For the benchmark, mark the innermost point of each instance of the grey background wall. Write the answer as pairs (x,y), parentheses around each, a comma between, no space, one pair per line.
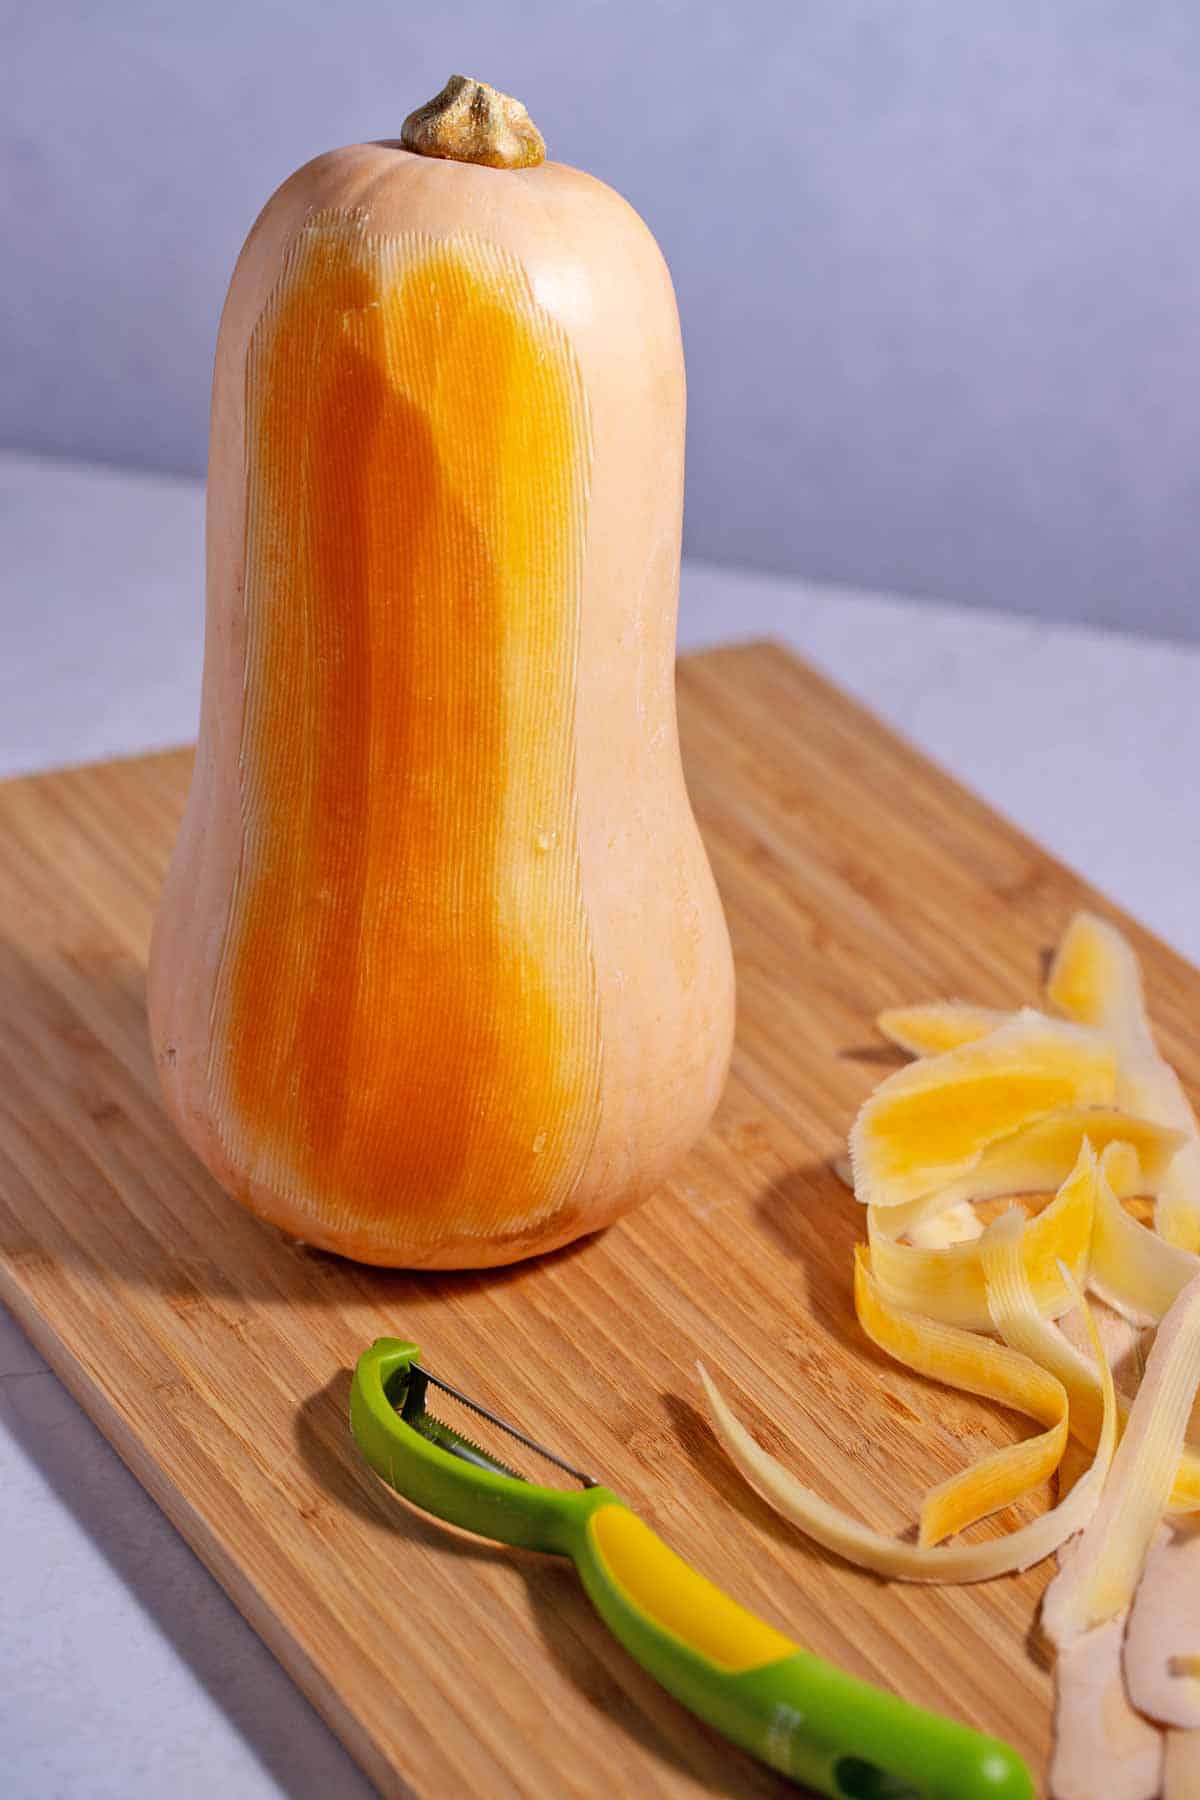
(938,264)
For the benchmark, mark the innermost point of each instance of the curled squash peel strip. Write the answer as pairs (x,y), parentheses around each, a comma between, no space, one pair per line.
(1103,1748)
(1095,980)
(1018,1320)
(1161,1634)
(1133,1269)
(1008,1105)
(949,1284)
(1102,1744)
(859,1544)
(940,1025)
(1038,1158)
(929,1124)
(977,1366)
(956,1224)
(1099,1578)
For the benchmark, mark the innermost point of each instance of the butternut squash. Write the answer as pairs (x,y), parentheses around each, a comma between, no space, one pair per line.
(440,976)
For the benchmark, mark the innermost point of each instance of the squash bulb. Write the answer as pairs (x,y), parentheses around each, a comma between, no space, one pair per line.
(440,976)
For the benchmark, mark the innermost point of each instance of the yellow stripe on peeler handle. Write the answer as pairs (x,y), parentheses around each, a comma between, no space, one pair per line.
(674,1597)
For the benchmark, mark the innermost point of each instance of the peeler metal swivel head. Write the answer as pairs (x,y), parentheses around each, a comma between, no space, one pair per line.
(805,1718)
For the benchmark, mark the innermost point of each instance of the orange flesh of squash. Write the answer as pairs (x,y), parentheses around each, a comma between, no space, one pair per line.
(407,1021)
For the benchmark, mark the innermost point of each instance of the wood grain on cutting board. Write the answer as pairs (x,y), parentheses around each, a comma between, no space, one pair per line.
(216,1355)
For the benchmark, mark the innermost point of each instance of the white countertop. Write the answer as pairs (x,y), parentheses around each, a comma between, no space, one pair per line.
(125,1673)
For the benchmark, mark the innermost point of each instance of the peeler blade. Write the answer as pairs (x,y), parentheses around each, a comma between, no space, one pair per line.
(437,1431)
(414,1412)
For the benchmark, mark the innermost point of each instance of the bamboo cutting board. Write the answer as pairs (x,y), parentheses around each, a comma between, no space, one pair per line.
(216,1355)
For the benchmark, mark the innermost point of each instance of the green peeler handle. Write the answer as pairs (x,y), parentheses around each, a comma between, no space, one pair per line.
(751,1683)
(839,1735)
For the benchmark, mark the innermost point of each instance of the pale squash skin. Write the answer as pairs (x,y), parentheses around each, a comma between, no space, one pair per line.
(647,1010)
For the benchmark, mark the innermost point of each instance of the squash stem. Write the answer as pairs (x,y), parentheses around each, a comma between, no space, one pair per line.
(472,122)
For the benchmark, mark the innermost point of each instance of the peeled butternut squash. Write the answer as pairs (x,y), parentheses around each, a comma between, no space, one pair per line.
(440,976)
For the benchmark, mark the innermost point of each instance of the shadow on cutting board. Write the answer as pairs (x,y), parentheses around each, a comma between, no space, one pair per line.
(125,1192)
(102,1186)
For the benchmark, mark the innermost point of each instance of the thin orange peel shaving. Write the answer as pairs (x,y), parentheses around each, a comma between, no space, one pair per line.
(1103,1748)
(929,1029)
(1162,1668)
(958,1562)
(1017,1320)
(975,1365)
(1087,1111)
(1095,980)
(1037,1160)
(1133,1269)
(930,1123)
(1098,1579)
(956,1224)
(949,1284)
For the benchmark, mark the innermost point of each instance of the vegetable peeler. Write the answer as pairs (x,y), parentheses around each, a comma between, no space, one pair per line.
(805,1718)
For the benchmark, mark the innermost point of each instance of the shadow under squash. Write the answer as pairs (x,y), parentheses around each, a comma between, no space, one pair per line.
(106,1187)
(106,1181)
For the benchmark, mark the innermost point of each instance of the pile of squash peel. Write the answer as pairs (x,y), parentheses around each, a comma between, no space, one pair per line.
(1078,1306)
